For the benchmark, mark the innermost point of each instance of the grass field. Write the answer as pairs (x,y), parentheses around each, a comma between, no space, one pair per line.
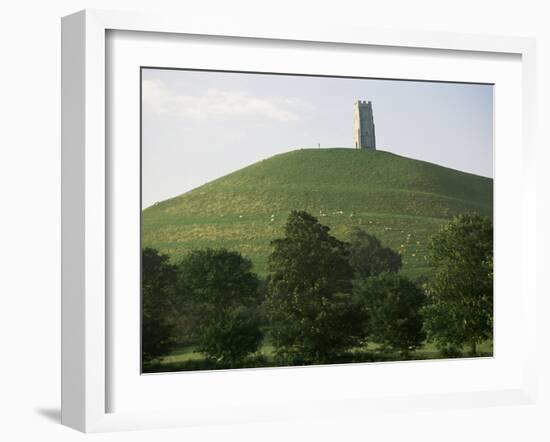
(400,200)
(185,357)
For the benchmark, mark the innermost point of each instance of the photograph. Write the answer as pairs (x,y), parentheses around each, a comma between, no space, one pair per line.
(298,220)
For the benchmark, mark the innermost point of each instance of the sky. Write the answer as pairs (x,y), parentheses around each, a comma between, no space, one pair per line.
(198,126)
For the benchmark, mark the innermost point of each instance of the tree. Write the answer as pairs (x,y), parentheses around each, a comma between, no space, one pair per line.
(368,257)
(460,293)
(393,303)
(158,279)
(314,314)
(224,294)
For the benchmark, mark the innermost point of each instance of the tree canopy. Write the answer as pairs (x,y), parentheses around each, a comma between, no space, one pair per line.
(393,303)
(313,312)
(158,281)
(224,294)
(368,257)
(323,298)
(460,292)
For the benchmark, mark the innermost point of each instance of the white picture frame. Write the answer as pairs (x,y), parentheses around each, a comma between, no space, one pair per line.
(86,206)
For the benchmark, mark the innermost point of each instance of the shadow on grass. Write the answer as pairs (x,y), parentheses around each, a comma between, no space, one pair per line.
(262,361)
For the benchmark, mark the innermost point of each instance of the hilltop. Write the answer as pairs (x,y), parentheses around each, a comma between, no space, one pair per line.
(401,200)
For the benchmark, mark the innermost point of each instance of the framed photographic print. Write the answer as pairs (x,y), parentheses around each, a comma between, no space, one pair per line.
(248,215)
(334,252)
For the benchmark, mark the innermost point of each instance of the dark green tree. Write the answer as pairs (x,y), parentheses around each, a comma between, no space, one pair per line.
(460,293)
(314,314)
(158,311)
(224,293)
(368,257)
(393,303)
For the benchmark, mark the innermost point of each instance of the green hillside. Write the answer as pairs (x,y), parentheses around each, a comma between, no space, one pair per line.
(400,200)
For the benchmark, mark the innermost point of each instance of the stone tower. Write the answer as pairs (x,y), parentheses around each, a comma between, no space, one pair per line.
(363,125)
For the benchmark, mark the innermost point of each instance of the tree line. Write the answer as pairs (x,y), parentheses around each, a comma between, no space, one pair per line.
(322,298)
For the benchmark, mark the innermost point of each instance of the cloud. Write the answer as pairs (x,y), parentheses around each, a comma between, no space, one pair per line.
(213,103)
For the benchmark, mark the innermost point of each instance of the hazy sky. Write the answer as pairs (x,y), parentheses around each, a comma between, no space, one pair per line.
(198,126)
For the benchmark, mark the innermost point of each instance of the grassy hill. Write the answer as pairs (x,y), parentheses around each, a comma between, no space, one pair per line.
(400,200)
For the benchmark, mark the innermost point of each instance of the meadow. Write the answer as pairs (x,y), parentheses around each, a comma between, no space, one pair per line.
(186,358)
(401,201)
